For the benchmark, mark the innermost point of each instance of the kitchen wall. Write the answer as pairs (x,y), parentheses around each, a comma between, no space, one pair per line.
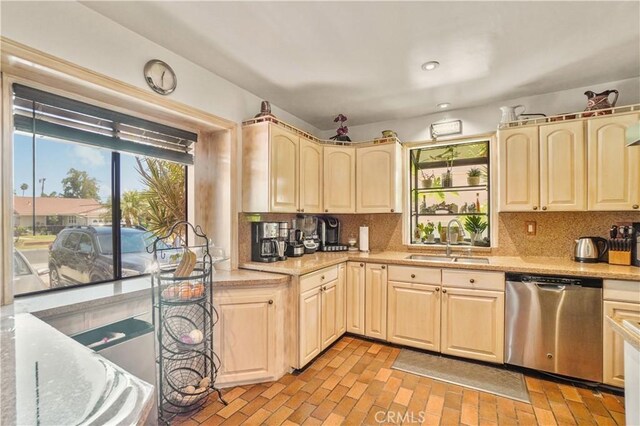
(555,234)
(485,118)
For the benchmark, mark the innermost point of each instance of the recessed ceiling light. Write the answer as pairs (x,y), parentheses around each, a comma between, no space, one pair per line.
(430,66)
(444,105)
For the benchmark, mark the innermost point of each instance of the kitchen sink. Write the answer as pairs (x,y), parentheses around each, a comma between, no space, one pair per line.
(431,258)
(482,260)
(427,258)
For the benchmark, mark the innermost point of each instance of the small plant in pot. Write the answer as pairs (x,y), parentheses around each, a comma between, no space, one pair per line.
(428,179)
(473,176)
(427,232)
(475,225)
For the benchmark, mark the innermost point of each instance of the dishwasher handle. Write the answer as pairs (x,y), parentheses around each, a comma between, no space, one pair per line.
(551,287)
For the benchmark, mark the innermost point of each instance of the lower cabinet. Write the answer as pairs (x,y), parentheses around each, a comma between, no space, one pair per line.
(472,324)
(375,296)
(246,335)
(613,344)
(414,315)
(355,275)
(341,299)
(321,314)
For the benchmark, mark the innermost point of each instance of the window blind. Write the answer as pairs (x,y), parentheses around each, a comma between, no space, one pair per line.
(59,117)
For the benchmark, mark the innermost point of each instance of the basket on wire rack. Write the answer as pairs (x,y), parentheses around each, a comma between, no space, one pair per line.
(184,317)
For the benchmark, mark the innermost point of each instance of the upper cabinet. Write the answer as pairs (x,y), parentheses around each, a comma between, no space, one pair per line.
(563,167)
(379,179)
(614,168)
(339,179)
(281,171)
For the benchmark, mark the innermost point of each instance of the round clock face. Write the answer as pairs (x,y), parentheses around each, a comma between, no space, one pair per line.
(160,77)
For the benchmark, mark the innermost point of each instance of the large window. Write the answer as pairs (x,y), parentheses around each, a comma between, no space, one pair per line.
(449,186)
(92,189)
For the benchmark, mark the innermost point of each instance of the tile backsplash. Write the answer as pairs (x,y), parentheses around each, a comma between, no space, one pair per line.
(555,234)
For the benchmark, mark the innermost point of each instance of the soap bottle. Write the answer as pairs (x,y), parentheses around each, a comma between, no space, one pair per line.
(478,202)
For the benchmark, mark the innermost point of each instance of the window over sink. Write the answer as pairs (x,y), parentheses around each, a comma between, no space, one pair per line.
(450,180)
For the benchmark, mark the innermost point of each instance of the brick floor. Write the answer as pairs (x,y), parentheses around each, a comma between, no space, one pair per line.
(352,383)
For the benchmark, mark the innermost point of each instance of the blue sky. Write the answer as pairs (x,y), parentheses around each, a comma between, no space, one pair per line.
(54,158)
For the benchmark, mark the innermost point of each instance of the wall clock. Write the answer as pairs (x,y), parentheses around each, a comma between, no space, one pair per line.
(160,77)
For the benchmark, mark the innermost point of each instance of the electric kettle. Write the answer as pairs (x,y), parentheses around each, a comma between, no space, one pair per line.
(590,249)
(509,113)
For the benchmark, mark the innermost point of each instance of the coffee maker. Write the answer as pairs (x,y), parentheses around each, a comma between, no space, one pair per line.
(264,241)
(329,234)
(309,225)
(295,247)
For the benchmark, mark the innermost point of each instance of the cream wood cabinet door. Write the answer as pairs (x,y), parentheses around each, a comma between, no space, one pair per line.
(613,344)
(414,315)
(329,313)
(283,176)
(613,168)
(311,170)
(339,179)
(563,167)
(375,296)
(310,325)
(355,272)
(341,300)
(519,174)
(379,179)
(245,337)
(472,324)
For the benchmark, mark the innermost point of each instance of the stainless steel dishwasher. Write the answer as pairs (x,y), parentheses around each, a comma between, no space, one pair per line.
(554,324)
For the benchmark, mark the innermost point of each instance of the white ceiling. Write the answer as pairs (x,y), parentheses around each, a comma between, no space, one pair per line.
(362,59)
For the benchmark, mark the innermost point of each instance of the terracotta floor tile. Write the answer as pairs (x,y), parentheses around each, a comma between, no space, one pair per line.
(618,417)
(580,411)
(384,399)
(233,393)
(349,379)
(383,375)
(336,362)
(403,396)
(453,401)
(345,406)
(435,404)
(324,410)
(367,376)
(207,411)
(325,373)
(450,416)
(338,393)
(357,390)
(355,418)
(259,417)
(296,400)
(287,379)
(506,408)
(233,406)
(214,420)
(253,392)
(275,389)
(533,384)
(254,405)
(544,417)
(488,411)
(525,418)
(312,385)
(392,385)
(279,416)
(431,419)
(236,419)
(562,413)
(318,396)
(604,421)
(333,420)
(469,414)
(276,402)
(470,397)
(375,387)
(365,402)
(302,412)
(539,400)
(612,403)
(294,387)
(331,382)
(570,392)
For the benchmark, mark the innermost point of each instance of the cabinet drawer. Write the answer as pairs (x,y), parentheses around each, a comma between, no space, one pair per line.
(412,274)
(317,278)
(473,279)
(622,291)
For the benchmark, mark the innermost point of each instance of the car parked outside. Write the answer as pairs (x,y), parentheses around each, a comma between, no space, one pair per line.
(84,254)
(25,278)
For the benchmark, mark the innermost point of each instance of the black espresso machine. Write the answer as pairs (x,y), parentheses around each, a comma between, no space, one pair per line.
(329,234)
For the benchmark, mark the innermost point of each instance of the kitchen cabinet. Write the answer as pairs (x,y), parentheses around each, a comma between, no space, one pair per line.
(472,324)
(311,181)
(414,306)
(355,273)
(318,319)
(339,179)
(246,336)
(379,178)
(613,343)
(563,167)
(614,171)
(518,153)
(281,171)
(375,296)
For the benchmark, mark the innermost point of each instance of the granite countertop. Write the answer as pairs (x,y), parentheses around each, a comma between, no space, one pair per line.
(48,378)
(535,265)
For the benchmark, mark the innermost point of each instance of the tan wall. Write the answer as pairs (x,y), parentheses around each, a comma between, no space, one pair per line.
(555,231)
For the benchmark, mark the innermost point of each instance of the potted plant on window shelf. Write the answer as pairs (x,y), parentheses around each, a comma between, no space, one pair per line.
(475,225)
(426,232)
(448,155)
(428,179)
(473,176)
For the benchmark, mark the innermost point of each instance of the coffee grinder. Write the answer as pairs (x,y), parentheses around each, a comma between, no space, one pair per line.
(264,241)
(295,247)
(309,225)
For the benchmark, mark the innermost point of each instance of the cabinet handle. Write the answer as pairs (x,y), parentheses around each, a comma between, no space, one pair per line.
(472,281)
(535,207)
(544,207)
(444,291)
(635,206)
(383,267)
(437,288)
(271,302)
(361,265)
(413,275)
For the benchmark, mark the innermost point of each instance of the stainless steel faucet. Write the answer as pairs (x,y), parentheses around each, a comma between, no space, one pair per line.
(449,233)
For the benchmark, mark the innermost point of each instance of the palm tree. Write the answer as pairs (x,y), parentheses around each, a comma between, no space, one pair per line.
(132,206)
(24,187)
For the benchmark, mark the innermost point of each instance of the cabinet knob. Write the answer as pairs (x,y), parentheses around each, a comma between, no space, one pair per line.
(544,207)
(413,275)
(271,302)
(392,210)
(635,206)
(535,207)
(302,210)
(383,267)
(324,288)
(322,277)
(361,265)
(444,291)
(472,280)
(437,288)
(326,210)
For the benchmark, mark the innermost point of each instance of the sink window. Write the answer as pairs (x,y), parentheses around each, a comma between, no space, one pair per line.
(92,189)
(450,181)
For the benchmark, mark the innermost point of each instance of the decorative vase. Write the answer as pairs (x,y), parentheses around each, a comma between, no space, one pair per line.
(447,180)
(426,183)
(443,234)
(430,238)
(475,236)
(473,180)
